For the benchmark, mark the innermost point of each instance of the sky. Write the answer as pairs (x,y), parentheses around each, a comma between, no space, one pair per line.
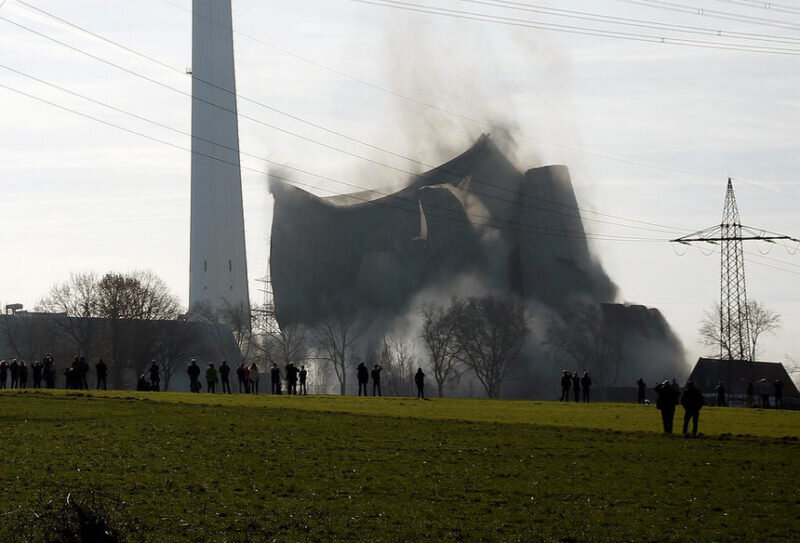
(651,116)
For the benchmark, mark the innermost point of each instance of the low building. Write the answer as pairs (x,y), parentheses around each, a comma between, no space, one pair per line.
(735,374)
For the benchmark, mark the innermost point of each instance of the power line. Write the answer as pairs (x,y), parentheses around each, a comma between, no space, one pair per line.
(578,30)
(99,37)
(637,23)
(132,72)
(763,5)
(467,118)
(137,53)
(703,12)
(413,209)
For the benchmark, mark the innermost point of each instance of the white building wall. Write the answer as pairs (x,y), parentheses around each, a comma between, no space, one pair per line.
(218,262)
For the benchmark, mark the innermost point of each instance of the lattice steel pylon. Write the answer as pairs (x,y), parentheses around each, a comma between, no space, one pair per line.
(735,342)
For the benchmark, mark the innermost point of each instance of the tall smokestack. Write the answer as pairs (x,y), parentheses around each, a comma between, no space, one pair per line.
(218,262)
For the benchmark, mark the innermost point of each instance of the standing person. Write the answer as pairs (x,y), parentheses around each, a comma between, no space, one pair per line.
(303,374)
(566,383)
(102,372)
(242,378)
(363,378)
(23,374)
(194,376)
(247,383)
(291,378)
(49,372)
(778,394)
(13,369)
(253,378)
(3,373)
(576,386)
(586,384)
(83,372)
(275,377)
(667,399)
(720,390)
(155,378)
(224,372)
(641,387)
(419,380)
(37,374)
(376,379)
(692,401)
(211,377)
(763,390)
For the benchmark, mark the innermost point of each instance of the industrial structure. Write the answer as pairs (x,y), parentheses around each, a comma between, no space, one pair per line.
(218,263)
(735,341)
(476,218)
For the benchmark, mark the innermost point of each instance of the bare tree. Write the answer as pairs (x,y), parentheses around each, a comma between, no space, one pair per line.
(28,337)
(77,299)
(286,344)
(335,336)
(491,331)
(227,342)
(175,344)
(140,296)
(762,321)
(398,362)
(440,333)
(584,337)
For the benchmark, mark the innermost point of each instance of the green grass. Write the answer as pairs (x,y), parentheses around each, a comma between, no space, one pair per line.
(181,467)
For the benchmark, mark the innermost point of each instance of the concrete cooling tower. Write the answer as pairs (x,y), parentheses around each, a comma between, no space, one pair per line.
(476,214)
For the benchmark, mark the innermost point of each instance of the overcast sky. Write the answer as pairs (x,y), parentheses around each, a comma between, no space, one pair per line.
(649,129)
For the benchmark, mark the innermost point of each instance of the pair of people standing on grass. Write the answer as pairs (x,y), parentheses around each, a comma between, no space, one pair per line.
(691,400)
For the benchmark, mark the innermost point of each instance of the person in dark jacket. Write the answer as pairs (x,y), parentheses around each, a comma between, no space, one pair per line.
(692,401)
(376,379)
(419,380)
(586,384)
(666,402)
(641,386)
(102,373)
(13,370)
(49,372)
(23,374)
(211,378)
(303,375)
(155,378)
(576,386)
(194,375)
(275,376)
(224,376)
(778,394)
(363,378)
(37,374)
(3,373)
(566,383)
(291,378)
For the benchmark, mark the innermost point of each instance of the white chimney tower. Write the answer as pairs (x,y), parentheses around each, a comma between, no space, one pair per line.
(218,262)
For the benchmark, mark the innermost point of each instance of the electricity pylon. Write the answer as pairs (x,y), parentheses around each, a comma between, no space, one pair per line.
(734,319)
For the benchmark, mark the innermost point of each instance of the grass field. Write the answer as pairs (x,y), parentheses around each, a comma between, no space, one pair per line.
(181,467)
